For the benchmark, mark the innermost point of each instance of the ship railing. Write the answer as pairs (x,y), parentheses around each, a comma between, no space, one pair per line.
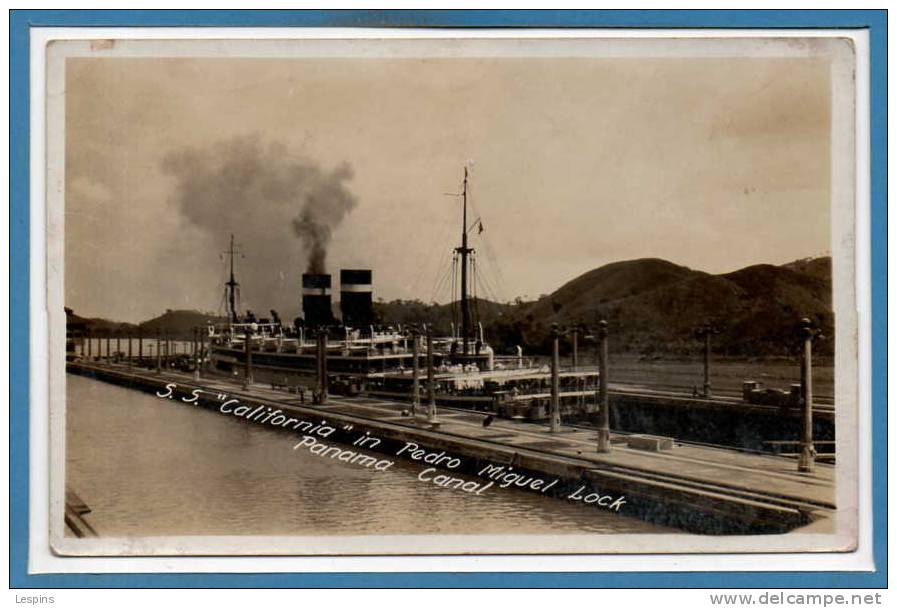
(273,330)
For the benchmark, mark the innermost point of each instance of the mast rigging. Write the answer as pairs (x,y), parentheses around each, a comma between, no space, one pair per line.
(464,251)
(232,285)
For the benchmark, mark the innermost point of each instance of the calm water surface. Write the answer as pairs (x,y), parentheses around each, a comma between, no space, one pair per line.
(148,466)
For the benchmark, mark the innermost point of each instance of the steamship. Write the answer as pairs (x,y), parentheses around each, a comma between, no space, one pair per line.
(355,355)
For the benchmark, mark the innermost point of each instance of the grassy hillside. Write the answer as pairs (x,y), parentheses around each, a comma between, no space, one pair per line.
(653,307)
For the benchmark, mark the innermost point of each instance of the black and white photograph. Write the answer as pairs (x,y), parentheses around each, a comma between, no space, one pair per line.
(464,295)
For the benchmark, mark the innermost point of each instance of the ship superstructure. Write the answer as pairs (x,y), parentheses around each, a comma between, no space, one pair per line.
(358,353)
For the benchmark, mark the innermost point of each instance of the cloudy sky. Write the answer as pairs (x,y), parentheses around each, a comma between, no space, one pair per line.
(712,163)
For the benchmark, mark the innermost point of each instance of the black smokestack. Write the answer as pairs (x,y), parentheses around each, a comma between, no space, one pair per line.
(356,297)
(316,300)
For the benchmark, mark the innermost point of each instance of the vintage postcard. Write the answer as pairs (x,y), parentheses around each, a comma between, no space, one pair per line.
(459,295)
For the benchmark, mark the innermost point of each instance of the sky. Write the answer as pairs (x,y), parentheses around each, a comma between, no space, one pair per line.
(711,163)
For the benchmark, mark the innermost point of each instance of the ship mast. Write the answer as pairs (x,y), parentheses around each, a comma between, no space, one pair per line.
(465,251)
(232,285)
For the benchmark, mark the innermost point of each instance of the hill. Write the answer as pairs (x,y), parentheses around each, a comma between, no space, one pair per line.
(97,326)
(820,267)
(179,323)
(611,283)
(174,323)
(653,307)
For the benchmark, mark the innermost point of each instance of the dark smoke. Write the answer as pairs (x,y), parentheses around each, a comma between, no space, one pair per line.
(324,207)
(267,197)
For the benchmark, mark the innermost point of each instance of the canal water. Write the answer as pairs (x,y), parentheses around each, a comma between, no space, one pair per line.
(149,467)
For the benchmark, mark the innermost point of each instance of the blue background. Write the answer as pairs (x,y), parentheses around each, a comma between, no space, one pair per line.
(22,20)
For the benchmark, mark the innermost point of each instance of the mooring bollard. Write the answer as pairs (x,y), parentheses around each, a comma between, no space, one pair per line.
(554,414)
(431,379)
(604,444)
(807,459)
(415,373)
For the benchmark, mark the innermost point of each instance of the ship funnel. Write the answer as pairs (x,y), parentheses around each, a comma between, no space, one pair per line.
(316,300)
(356,297)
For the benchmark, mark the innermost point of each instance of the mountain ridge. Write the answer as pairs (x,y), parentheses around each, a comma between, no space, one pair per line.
(653,306)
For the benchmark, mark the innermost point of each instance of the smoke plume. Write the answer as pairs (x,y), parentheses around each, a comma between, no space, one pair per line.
(324,206)
(266,197)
